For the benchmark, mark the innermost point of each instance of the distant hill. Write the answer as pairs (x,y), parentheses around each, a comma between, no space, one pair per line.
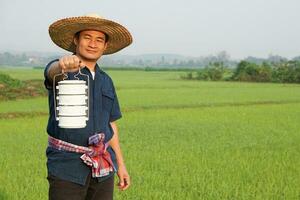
(143,60)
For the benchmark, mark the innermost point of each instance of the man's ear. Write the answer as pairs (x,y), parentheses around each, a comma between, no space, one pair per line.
(105,45)
(75,40)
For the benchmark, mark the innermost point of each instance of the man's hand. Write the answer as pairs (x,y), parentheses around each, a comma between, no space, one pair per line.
(124,179)
(70,63)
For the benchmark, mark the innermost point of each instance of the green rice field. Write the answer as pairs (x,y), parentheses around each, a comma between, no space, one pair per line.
(183,140)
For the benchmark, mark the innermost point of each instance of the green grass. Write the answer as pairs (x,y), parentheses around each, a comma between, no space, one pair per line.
(22,164)
(214,153)
(23,73)
(25,105)
(180,139)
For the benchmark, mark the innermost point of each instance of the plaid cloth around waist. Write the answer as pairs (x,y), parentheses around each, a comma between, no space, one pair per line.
(94,156)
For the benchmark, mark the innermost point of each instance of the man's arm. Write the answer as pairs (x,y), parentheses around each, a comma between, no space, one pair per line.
(53,70)
(69,63)
(124,179)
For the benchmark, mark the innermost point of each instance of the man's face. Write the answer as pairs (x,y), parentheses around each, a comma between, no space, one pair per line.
(90,45)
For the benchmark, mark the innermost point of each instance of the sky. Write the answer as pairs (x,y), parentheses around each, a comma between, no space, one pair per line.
(187,27)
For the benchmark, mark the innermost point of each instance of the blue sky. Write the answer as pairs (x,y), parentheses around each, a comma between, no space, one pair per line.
(191,27)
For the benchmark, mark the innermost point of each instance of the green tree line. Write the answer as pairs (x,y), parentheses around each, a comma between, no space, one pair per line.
(279,72)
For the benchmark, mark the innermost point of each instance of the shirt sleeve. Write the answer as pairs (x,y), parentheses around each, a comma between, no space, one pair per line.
(115,111)
(47,82)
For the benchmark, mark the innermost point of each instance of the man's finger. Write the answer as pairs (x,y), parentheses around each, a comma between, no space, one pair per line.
(72,63)
(81,64)
(67,64)
(76,61)
(127,183)
(121,183)
(62,66)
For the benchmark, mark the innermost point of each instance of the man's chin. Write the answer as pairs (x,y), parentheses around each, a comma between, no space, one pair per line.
(91,58)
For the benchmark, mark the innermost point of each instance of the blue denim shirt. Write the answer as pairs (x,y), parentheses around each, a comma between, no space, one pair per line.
(103,109)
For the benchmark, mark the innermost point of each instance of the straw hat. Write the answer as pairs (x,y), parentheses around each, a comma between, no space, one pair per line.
(62,32)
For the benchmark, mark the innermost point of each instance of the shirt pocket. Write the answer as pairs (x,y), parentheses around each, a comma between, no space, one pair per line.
(108,97)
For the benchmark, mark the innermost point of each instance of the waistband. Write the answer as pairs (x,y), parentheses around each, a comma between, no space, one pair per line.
(96,155)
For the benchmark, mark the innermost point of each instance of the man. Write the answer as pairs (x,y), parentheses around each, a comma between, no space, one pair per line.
(70,174)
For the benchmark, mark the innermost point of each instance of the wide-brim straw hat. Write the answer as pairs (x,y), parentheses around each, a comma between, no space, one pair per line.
(62,32)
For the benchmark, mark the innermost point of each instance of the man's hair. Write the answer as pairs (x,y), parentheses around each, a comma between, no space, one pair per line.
(78,33)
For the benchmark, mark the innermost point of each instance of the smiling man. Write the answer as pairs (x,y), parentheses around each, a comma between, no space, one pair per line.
(88,38)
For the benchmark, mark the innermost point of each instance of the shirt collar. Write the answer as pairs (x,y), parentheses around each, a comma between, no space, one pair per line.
(97,69)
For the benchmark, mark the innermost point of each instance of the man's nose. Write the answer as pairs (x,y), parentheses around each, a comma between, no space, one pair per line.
(92,43)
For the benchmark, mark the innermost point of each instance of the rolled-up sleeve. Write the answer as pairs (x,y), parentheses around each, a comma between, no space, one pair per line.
(47,82)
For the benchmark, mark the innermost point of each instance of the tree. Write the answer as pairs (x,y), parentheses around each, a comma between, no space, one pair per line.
(214,71)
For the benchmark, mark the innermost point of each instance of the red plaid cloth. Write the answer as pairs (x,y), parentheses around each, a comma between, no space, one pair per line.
(94,156)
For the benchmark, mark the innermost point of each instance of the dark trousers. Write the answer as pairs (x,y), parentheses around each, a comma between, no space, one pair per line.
(92,190)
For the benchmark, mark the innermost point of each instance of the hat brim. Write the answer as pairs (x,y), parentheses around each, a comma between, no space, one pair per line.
(62,32)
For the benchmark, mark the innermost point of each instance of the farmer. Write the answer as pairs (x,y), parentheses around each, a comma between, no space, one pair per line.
(81,162)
